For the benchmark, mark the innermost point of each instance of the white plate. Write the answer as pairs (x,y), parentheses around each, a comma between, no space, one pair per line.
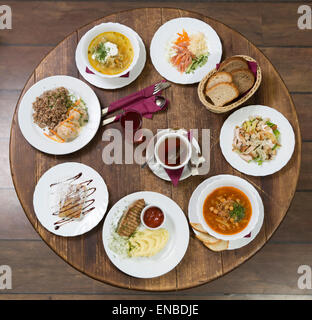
(166,259)
(160,172)
(113,83)
(43,206)
(167,33)
(193,216)
(34,134)
(284,153)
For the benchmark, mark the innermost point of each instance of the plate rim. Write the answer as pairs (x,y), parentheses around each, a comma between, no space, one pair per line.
(109,252)
(47,150)
(248,172)
(36,190)
(184,82)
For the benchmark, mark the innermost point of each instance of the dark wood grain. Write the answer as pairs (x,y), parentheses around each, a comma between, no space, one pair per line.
(86,253)
(261,275)
(264,23)
(5,179)
(287,61)
(7,102)
(13,222)
(303,107)
(15,71)
(305,179)
(294,64)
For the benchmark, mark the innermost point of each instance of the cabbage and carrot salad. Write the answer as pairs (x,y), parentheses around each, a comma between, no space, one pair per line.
(188,52)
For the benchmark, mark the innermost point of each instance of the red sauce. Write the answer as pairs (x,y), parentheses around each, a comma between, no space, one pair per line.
(153,217)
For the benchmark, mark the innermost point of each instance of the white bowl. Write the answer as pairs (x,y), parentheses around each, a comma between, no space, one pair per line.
(143,212)
(240,184)
(107,27)
(169,135)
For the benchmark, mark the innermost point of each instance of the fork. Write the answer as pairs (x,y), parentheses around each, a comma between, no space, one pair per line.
(157,88)
(161,86)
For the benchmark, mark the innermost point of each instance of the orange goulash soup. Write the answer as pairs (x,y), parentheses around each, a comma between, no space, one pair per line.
(227,210)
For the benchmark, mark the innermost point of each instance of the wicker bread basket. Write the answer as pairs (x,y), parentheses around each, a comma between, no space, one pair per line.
(236,103)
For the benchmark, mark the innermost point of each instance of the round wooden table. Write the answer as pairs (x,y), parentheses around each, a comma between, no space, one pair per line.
(199,266)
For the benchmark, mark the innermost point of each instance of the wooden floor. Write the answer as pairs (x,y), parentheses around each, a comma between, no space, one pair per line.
(272,273)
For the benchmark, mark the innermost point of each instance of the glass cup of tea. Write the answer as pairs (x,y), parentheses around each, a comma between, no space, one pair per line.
(131,122)
(173,150)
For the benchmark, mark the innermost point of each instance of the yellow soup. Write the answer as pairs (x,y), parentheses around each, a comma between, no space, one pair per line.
(110,53)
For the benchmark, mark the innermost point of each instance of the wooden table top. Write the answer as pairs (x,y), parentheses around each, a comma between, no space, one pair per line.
(86,252)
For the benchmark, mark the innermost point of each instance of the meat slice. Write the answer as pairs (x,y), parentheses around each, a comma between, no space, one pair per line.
(130,220)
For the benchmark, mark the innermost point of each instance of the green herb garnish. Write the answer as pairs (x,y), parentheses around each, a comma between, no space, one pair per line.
(101,52)
(238,212)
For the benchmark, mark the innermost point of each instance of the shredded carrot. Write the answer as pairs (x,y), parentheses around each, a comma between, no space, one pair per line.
(77,110)
(68,111)
(77,102)
(178,60)
(53,132)
(53,138)
(66,120)
(182,37)
(72,108)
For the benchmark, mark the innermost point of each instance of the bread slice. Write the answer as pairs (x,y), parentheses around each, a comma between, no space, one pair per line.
(198,227)
(207,238)
(233,63)
(222,93)
(244,79)
(221,245)
(218,77)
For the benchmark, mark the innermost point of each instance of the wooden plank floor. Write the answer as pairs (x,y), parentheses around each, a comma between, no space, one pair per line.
(272,273)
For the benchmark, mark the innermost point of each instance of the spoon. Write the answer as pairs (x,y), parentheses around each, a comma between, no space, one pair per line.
(160,101)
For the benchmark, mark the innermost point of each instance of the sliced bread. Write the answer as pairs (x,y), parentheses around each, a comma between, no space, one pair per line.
(219,77)
(233,63)
(222,93)
(244,79)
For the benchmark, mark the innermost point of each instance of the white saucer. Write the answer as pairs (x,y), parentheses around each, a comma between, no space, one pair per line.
(193,217)
(113,83)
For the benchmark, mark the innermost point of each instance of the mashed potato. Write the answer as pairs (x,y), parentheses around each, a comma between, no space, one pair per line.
(147,243)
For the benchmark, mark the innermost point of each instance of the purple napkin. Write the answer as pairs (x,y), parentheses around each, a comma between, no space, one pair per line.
(175,174)
(146,107)
(132,98)
(123,76)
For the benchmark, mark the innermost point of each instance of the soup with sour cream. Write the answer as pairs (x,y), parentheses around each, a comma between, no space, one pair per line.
(110,53)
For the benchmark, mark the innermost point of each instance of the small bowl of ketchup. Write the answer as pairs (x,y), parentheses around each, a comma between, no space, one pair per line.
(152,217)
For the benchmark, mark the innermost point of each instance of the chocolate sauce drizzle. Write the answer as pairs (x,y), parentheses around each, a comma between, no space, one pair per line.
(75,204)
